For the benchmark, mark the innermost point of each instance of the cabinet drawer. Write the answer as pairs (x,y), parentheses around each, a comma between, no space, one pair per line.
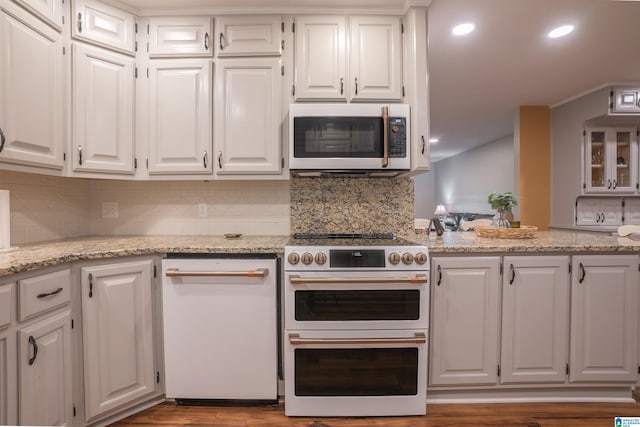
(104,25)
(6,304)
(44,292)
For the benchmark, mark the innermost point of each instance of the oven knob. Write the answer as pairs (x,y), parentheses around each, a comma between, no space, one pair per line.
(321,258)
(421,258)
(394,258)
(307,258)
(407,258)
(293,258)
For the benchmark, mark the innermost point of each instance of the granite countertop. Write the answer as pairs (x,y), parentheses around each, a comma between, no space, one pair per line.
(47,254)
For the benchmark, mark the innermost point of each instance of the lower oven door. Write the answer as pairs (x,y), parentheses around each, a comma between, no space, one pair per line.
(356,300)
(355,373)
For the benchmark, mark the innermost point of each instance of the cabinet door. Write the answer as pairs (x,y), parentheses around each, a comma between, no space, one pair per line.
(117,335)
(625,101)
(599,211)
(180,36)
(49,11)
(465,320)
(321,58)
(611,161)
(8,385)
(249,35)
(31,83)
(103,111)
(376,58)
(97,22)
(604,318)
(632,211)
(247,109)
(44,364)
(180,130)
(535,319)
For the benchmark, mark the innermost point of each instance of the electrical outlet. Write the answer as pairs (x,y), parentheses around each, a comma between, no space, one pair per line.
(109,209)
(203,210)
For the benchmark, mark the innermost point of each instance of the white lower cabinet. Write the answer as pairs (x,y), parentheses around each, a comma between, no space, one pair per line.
(8,380)
(535,320)
(117,334)
(465,318)
(44,371)
(604,318)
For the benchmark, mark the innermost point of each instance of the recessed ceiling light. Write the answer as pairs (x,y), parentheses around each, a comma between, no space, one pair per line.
(463,29)
(433,140)
(560,31)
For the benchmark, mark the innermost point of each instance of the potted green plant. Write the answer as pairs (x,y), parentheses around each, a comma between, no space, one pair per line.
(502,203)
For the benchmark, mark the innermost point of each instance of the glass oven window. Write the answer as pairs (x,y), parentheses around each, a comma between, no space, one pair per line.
(322,137)
(356,372)
(334,305)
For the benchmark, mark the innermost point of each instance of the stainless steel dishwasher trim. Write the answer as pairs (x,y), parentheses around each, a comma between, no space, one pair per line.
(175,272)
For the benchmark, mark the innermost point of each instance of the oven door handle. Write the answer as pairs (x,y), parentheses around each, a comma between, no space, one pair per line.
(385,136)
(418,279)
(260,272)
(418,338)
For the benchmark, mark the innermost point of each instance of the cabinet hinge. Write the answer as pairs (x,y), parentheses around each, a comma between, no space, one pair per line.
(293,90)
(64,157)
(403,91)
(155,271)
(63,17)
(639,369)
(136,28)
(638,267)
(135,163)
(282,163)
(501,268)
(282,27)
(282,44)
(293,27)
(282,70)
(147,72)
(71,323)
(135,73)
(584,186)
(147,28)
(569,267)
(147,47)
(498,370)
(157,377)
(637,186)
(64,50)
(402,28)
(74,410)
(147,163)
(567,369)
(136,46)
(637,132)
(584,132)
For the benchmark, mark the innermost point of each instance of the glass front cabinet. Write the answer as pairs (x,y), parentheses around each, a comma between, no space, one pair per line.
(611,160)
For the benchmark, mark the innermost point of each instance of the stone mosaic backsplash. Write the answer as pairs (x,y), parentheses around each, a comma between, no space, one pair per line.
(352,205)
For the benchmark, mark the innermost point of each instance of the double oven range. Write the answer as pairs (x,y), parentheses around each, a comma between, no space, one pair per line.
(356,310)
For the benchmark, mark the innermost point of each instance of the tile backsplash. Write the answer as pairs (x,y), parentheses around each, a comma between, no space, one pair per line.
(48,207)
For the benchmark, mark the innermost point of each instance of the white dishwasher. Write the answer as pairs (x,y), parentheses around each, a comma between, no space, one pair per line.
(221,326)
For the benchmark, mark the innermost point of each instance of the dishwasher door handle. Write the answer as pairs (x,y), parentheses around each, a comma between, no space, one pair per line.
(297,280)
(418,338)
(259,272)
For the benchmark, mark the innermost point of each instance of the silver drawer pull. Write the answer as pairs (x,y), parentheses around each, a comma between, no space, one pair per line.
(417,279)
(260,272)
(48,294)
(418,338)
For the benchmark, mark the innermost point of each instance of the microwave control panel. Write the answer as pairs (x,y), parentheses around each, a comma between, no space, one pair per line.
(397,137)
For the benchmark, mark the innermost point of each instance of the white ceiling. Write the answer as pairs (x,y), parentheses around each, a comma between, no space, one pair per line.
(477,82)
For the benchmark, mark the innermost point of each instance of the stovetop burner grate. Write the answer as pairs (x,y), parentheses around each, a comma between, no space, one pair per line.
(377,236)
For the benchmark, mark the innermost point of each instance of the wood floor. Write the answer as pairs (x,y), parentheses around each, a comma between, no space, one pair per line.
(440,415)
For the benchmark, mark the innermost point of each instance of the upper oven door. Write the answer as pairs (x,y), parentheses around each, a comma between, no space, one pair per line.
(356,300)
(349,137)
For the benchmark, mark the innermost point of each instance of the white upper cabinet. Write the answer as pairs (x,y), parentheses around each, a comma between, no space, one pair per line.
(611,160)
(624,100)
(248,35)
(50,11)
(180,116)
(604,318)
(103,111)
(376,58)
(247,116)
(367,65)
(96,22)
(599,211)
(321,58)
(180,36)
(31,83)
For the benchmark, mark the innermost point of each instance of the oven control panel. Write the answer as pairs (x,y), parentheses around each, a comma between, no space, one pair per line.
(320,258)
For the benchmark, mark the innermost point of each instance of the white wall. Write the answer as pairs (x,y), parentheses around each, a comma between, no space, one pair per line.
(463,182)
(425,194)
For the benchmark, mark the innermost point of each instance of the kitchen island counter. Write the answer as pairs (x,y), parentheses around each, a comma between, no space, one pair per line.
(48,254)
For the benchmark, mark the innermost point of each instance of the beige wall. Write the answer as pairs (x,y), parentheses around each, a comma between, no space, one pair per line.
(534,158)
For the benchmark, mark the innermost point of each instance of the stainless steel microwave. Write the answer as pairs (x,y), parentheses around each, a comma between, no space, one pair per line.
(349,138)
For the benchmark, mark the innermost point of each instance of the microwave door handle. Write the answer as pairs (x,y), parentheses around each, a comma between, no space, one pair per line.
(385,136)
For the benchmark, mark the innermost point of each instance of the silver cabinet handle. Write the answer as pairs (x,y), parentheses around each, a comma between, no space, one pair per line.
(2,140)
(418,279)
(418,338)
(385,137)
(220,159)
(204,159)
(79,22)
(206,41)
(423,144)
(259,272)
(80,155)
(221,40)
